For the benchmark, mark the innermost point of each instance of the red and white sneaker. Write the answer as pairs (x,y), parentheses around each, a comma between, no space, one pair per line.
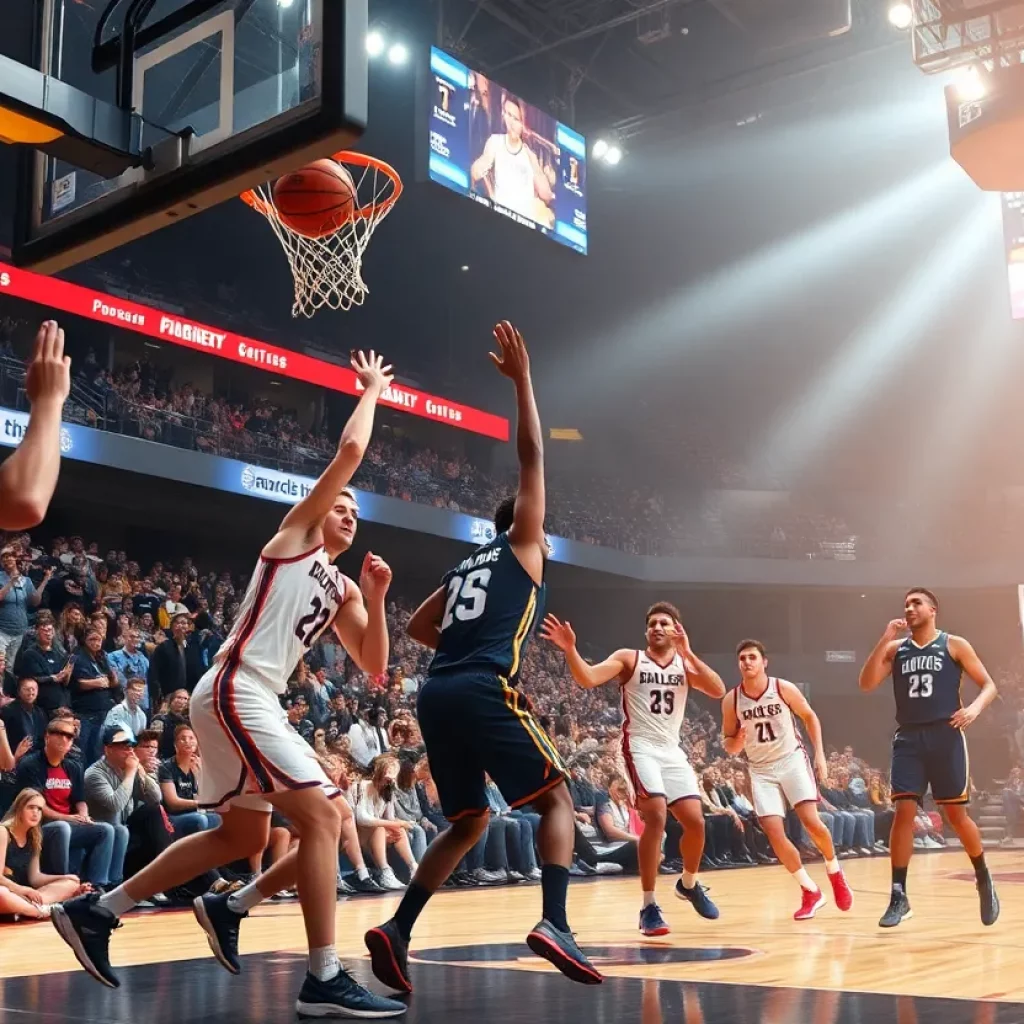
(841,891)
(813,900)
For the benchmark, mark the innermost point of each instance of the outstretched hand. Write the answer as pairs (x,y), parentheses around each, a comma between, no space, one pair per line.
(371,370)
(560,633)
(49,373)
(512,359)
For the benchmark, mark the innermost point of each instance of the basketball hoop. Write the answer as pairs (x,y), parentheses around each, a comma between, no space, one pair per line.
(328,271)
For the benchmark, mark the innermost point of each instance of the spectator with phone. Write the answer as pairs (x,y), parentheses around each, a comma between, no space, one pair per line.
(18,596)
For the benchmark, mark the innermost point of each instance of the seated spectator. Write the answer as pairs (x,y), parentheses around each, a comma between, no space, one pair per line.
(1013,803)
(49,668)
(611,812)
(93,693)
(167,723)
(378,825)
(130,662)
(24,889)
(69,834)
(368,735)
(177,777)
(298,717)
(24,720)
(407,808)
(518,838)
(928,830)
(8,682)
(864,820)
(129,713)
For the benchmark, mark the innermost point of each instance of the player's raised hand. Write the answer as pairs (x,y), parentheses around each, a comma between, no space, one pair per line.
(895,627)
(49,373)
(371,371)
(560,633)
(374,577)
(681,640)
(511,359)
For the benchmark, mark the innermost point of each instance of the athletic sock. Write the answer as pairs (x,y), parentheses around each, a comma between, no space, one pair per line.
(689,879)
(362,874)
(805,880)
(117,902)
(324,963)
(899,877)
(554,882)
(413,902)
(832,866)
(244,899)
(648,898)
(980,867)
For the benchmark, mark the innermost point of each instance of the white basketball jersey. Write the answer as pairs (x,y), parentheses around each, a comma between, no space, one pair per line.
(513,178)
(654,701)
(288,604)
(771,729)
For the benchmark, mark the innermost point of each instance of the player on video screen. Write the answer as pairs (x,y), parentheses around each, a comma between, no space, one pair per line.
(518,177)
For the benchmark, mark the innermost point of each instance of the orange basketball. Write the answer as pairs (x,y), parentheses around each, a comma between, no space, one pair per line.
(316,200)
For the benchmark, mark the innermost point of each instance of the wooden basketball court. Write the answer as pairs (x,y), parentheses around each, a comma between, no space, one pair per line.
(470,963)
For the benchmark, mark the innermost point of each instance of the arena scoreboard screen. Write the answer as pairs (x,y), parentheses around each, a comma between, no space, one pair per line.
(489,145)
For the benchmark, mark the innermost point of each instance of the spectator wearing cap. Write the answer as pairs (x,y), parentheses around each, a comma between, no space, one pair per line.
(70,836)
(18,596)
(168,669)
(129,713)
(120,792)
(50,668)
(93,691)
(130,662)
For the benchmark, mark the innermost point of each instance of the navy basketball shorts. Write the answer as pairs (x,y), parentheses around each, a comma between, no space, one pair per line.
(930,755)
(475,724)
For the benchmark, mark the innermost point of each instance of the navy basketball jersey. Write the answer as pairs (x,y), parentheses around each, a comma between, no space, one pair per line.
(925,681)
(491,607)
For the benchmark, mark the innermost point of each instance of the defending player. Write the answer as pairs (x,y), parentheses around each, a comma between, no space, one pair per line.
(757,718)
(253,762)
(930,748)
(473,718)
(655,683)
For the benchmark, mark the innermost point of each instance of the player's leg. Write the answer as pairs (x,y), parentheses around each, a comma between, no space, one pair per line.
(807,811)
(654,811)
(909,777)
(684,804)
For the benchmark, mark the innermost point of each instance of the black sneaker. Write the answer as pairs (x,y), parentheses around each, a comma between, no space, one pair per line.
(899,909)
(343,996)
(86,928)
(389,956)
(362,886)
(698,896)
(989,901)
(559,948)
(221,925)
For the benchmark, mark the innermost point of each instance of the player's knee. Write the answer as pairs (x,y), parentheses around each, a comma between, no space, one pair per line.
(655,815)
(558,798)
(471,827)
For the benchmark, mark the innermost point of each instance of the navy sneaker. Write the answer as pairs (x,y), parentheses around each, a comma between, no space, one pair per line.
(221,925)
(652,922)
(86,928)
(343,996)
(898,909)
(560,949)
(698,896)
(989,901)
(389,956)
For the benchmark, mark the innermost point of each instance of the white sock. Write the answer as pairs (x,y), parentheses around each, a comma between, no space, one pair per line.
(689,879)
(648,898)
(413,868)
(242,901)
(117,901)
(805,880)
(362,874)
(832,866)
(324,963)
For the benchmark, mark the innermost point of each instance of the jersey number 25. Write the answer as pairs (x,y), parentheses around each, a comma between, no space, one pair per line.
(467,597)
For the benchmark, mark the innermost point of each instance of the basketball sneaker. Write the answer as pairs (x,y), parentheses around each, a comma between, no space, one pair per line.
(559,948)
(813,900)
(841,891)
(989,900)
(343,996)
(899,909)
(389,956)
(85,927)
(221,925)
(652,922)
(698,896)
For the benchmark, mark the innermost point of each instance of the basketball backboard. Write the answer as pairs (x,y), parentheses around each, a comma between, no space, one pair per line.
(229,93)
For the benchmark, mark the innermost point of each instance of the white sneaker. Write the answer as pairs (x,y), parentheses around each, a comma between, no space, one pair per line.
(535,875)
(605,867)
(388,880)
(919,844)
(931,844)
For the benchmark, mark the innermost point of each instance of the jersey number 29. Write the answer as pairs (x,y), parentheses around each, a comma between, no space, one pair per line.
(467,597)
(663,702)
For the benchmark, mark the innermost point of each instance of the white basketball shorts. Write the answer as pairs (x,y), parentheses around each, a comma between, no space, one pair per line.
(659,771)
(247,746)
(791,778)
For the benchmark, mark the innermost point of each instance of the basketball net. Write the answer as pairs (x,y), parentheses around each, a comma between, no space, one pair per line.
(328,271)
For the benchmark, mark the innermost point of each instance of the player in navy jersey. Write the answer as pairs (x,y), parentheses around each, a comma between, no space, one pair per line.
(474,720)
(930,748)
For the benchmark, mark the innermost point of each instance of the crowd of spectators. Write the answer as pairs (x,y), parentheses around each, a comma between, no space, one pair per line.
(98,763)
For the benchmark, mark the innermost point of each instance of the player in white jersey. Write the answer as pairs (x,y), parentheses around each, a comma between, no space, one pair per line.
(253,761)
(518,177)
(758,718)
(654,685)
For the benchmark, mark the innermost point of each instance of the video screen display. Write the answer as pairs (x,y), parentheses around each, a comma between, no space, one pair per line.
(486,143)
(1013,233)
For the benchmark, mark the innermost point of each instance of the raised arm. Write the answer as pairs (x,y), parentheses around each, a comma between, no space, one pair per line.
(798,705)
(28,477)
(734,732)
(301,528)
(588,676)
(361,623)
(700,675)
(878,667)
(527,531)
(967,658)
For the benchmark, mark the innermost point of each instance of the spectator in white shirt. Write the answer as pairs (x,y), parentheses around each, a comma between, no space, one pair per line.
(378,824)
(129,713)
(368,735)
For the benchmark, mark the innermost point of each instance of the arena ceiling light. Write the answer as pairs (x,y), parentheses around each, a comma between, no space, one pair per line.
(901,15)
(610,152)
(614,155)
(375,43)
(600,149)
(398,54)
(970,85)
